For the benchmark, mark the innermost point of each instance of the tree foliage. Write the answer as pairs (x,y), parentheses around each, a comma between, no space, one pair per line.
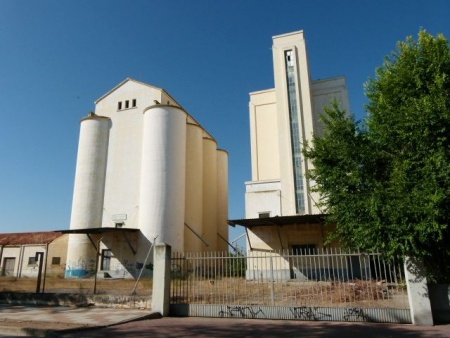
(386,183)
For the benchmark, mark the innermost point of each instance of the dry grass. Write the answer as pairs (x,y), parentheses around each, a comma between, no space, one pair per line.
(77,286)
(336,294)
(232,291)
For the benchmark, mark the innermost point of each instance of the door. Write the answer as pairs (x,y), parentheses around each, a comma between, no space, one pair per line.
(8,266)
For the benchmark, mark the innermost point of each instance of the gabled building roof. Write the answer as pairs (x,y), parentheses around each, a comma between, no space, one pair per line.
(139,82)
(23,238)
(172,100)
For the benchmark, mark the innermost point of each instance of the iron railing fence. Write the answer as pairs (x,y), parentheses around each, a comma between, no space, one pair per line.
(78,286)
(301,278)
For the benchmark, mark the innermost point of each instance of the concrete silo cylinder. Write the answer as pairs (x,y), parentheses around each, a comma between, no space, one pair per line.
(88,194)
(194,193)
(222,199)
(89,187)
(161,199)
(209,227)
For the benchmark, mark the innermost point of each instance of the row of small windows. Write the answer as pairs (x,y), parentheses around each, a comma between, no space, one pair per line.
(126,104)
(55,260)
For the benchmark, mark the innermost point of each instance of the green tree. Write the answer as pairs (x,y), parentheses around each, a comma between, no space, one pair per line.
(386,182)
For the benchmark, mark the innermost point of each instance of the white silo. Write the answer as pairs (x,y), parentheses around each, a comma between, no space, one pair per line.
(161,199)
(222,199)
(88,194)
(194,193)
(210,193)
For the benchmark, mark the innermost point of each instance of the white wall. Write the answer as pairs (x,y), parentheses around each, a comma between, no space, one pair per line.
(123,177)
(263,196)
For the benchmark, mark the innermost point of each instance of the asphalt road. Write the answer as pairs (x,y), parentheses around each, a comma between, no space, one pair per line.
(227,327)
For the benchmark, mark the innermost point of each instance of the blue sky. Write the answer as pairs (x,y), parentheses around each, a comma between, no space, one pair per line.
(58,57)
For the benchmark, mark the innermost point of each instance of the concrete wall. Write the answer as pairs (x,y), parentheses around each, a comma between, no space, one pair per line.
(57,248)
(263,197)
(263,136)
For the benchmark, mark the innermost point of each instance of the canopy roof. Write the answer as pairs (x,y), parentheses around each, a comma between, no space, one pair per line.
(279,220)
(93,231)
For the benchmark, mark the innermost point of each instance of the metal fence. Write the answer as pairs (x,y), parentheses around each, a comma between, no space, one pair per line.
(304,283)
(77,286)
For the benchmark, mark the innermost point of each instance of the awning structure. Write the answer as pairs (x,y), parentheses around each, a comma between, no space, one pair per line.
(96,231)
(279,220)
(100,231)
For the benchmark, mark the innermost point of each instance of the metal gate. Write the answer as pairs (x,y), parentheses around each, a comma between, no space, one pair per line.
(327,284)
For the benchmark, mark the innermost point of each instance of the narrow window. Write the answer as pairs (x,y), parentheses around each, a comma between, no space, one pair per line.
(134,103)
(295,129)
(56,260)
(127,104)
(304,249)
(119,105)
(119,224)
(264,215)
(106,259)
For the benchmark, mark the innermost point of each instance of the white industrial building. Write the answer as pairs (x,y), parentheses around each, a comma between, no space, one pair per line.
(281,209)
(147,172)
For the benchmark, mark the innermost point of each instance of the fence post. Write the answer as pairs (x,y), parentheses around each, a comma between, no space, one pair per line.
(161,279)
(418,295)
(272,299)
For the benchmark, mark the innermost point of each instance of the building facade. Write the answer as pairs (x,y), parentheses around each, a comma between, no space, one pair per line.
(144,164)
(282,119)
(18,253)
(281,208)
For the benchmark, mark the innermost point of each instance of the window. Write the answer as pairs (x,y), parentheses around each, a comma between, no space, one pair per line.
(119,224)
(56,260)
(106,259)
(304,249)
(264,215)
(295,124)
(32,260)
(126,104)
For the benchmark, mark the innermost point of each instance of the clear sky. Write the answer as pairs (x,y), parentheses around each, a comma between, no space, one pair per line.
(58,57)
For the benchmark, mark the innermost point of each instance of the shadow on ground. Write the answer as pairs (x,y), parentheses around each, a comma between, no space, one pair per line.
(213,327)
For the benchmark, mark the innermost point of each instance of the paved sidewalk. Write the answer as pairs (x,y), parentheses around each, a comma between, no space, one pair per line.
(40,320)
(91,322)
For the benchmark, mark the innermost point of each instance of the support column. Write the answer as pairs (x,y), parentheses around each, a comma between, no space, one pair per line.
(418,295)
(161,278)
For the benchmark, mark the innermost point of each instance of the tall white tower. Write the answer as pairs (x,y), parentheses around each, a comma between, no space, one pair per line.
(282,119)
